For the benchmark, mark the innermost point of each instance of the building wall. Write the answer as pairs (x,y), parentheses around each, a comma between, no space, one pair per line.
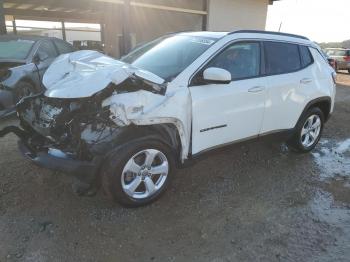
(148,24)
(231,15)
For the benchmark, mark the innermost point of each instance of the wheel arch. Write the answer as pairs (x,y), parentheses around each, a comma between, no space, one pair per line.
(165,133)
(323,103)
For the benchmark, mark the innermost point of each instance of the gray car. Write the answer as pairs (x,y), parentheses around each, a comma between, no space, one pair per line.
(23,61)
(341,57)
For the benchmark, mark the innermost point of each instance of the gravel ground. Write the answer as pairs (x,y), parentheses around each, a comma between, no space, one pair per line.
(252,202)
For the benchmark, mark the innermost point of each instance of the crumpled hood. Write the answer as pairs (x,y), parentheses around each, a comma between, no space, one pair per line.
(85,73)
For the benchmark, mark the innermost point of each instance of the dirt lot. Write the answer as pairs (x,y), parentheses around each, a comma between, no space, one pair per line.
(252,202)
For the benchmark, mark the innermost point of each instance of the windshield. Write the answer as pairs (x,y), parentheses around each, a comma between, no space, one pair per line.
(168,57)
(15,49)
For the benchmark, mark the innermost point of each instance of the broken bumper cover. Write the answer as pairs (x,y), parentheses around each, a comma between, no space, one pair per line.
(54,159)
(81,169)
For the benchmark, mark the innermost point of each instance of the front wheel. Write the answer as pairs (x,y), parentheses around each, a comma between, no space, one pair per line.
(138,172)
(308,131)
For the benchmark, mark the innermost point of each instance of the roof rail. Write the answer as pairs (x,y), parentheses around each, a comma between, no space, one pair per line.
(268,33)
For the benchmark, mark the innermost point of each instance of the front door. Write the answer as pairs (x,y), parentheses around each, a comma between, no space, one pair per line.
(224,113)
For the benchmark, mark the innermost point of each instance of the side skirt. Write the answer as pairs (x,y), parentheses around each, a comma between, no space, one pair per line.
(278,136)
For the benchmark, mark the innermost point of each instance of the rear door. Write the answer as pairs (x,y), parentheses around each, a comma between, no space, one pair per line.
(290,83)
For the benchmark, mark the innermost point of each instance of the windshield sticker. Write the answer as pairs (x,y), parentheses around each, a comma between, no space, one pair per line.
(202,41)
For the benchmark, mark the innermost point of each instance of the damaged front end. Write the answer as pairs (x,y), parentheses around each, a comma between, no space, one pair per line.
(91,104)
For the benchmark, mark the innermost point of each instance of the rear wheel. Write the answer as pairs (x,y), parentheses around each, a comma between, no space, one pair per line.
(137,173)
(308,131)
(349,71)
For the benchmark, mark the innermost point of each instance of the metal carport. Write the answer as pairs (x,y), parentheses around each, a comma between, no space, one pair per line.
(116,17)
(147,19)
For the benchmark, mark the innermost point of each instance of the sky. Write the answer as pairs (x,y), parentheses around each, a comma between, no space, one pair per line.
(320,20)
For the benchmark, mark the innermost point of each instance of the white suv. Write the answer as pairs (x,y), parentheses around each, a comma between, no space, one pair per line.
(127,124)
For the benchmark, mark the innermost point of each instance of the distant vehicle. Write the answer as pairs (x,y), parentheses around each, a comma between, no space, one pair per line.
(88,45)
(341,57)
(332,62)
(23,62)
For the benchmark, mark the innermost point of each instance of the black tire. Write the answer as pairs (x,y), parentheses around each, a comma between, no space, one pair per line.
(112,170)
(296,141)
(349,71)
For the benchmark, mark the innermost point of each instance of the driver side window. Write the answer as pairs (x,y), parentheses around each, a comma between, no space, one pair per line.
(242,60)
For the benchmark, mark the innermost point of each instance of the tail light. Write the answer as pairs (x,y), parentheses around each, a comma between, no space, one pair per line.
(347,58)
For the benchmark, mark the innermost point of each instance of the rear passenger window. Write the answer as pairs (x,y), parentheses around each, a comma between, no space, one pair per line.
(306,58)
(281,58)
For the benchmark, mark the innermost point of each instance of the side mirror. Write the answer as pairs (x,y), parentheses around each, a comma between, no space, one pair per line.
(217,75)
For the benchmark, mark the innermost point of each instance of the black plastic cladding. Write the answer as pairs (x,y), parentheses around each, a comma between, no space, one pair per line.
(267,33)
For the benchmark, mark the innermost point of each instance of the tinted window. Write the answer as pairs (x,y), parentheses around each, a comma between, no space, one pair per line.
(15,49)
(281,58)
(47,48)
(306,58)
(63,47)
(168,57)
(242,60)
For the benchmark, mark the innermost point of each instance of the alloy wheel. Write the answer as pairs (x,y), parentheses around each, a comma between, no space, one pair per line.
(311,131)
(145,173)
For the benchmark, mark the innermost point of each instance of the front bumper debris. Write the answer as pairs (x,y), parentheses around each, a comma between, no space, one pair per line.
(58,161)
(54,159)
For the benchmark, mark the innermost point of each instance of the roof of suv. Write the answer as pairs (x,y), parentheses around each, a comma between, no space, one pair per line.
(262,34)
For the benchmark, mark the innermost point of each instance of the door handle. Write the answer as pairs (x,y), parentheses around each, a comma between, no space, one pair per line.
(256,89)
(306,81)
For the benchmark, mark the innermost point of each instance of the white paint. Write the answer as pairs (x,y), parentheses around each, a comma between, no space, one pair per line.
(244,108)
(85,73)
(145,108)
(217,74)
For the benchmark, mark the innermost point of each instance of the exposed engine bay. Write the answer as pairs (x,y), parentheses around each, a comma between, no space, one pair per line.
(91,100)
(78,126)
